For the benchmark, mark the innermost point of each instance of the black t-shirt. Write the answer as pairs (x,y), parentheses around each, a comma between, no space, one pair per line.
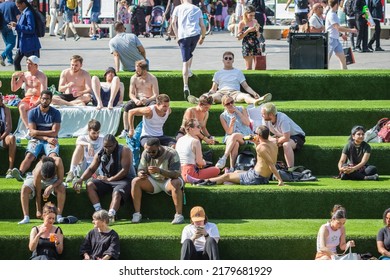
(355,153)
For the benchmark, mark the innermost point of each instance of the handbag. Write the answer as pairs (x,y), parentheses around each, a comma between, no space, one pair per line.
(346,257)
(349,56)
(260,62)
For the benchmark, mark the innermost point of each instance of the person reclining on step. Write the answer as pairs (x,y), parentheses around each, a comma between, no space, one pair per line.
(143,91)
(227,82)
(109,93)
(75,85)
(266,152)
(189,149)
(201,113)
(286,133)
(48,175)
(153,119)
(353,163)
(87,146)
(34,82)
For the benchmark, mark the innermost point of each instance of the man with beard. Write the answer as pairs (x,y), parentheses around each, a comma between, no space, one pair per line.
(109,93)
(159,170)
(118,172)
(153,120)
(44,123)
(126,48)
(75,85)
(86,148)
(143,91)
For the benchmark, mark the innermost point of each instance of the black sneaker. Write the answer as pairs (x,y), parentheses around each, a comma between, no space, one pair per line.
(370,48)
(207,183)
(379,49)
(186,92)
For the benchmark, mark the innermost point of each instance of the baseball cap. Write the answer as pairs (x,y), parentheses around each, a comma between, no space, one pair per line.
(108,70)
(197,214)
(34,59)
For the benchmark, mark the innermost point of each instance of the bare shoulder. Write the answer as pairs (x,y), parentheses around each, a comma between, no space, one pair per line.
(40,75)
(85,73)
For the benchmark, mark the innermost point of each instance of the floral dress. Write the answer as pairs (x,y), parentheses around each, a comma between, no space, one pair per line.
(250,44)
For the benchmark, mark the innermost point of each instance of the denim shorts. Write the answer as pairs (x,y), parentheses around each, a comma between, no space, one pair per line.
(68,15)
(334,46)
(36,146)
(95,17)
(187,47)
(252,178)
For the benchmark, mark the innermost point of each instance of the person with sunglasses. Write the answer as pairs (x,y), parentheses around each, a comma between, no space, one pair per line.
(189,149)
(316,21)
(48,175)
(46,240)
(228,82)
(201,113)
(236,123)
(159,171)
(353,163)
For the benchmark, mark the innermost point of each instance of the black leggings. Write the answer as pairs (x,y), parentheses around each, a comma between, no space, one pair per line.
(359,175)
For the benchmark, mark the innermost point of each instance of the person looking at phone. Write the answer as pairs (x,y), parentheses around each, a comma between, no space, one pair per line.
(199,239)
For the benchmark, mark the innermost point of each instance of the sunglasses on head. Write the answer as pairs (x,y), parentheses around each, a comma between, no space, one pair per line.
(229,103)
(228,58)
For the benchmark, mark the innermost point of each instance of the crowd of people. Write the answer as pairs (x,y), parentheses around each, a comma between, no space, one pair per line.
(166,163)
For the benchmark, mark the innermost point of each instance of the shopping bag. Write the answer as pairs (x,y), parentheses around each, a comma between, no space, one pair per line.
(346,257)
(349,57)
(260,62)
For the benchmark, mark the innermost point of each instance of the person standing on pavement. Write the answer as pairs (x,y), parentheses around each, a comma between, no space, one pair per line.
(9,12)
(68,13)
(55,16)
(189,29)
(28,42)
(95,7)
(376,9)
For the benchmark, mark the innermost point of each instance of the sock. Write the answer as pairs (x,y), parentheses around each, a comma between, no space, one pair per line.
(111,212)
(97,206)
(25,220)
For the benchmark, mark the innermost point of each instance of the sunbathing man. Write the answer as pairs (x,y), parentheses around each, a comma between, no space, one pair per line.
(34,82)
(267,153)
(75,85)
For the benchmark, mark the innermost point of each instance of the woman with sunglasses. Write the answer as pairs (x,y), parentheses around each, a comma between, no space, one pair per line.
(235,121)
(332,234)
(189,149)
(201,113)
(248,32)
(353,163)
(46,240)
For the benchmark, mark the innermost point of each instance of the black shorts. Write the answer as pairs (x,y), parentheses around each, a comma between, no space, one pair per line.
(131,105)
(67,97)
(299,140)
(164,140)
(122,186)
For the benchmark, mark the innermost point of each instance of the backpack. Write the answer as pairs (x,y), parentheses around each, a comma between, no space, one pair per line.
(295,176)
(245,160)
(71,4)
(40,24)
(384,133)
(303,4)
(371,135)
(349,8)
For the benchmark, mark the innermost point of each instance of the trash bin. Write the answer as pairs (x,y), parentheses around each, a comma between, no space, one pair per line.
(308,50)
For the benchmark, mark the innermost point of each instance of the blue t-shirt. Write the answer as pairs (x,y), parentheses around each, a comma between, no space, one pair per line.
(96,6)
(44,121)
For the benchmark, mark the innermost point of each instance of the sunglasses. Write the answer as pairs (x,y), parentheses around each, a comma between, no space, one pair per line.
(228,58)
(229,103)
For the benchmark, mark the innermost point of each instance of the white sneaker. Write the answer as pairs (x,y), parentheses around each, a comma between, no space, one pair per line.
(16,174)
(8,175)
(190,74)
(221,163)
(137,217)
(178,219)
(123,134)
(26,220)
(111,219)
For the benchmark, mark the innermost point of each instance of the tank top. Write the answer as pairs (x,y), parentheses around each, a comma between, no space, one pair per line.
(184,149)
(333,239)
(154,125)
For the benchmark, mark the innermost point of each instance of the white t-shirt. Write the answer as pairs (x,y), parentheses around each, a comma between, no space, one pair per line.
(189,231)
(184,149)
(316,21)
(331,19)
(96,144)
(229,79)
(188,17)
(283,125)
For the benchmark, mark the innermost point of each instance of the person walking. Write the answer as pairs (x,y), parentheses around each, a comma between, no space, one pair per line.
(9,11)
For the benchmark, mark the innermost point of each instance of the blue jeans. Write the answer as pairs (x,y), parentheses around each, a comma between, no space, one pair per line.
(10,42)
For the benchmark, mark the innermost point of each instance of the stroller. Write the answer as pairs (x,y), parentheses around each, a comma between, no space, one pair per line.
(157,21)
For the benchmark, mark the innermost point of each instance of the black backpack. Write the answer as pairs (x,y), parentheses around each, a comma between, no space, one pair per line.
(303,4)
(245,160)
(349,8)
(40,23)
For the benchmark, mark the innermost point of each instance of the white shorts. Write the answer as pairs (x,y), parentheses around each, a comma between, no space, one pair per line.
(29,182)
(162,186)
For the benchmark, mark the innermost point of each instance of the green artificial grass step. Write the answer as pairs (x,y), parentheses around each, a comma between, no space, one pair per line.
(240,238)
(303,200)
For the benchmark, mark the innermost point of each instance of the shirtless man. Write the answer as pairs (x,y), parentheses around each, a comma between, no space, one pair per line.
(109,93)
(143,91)
(35,82)
(75,83)
(267,153)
